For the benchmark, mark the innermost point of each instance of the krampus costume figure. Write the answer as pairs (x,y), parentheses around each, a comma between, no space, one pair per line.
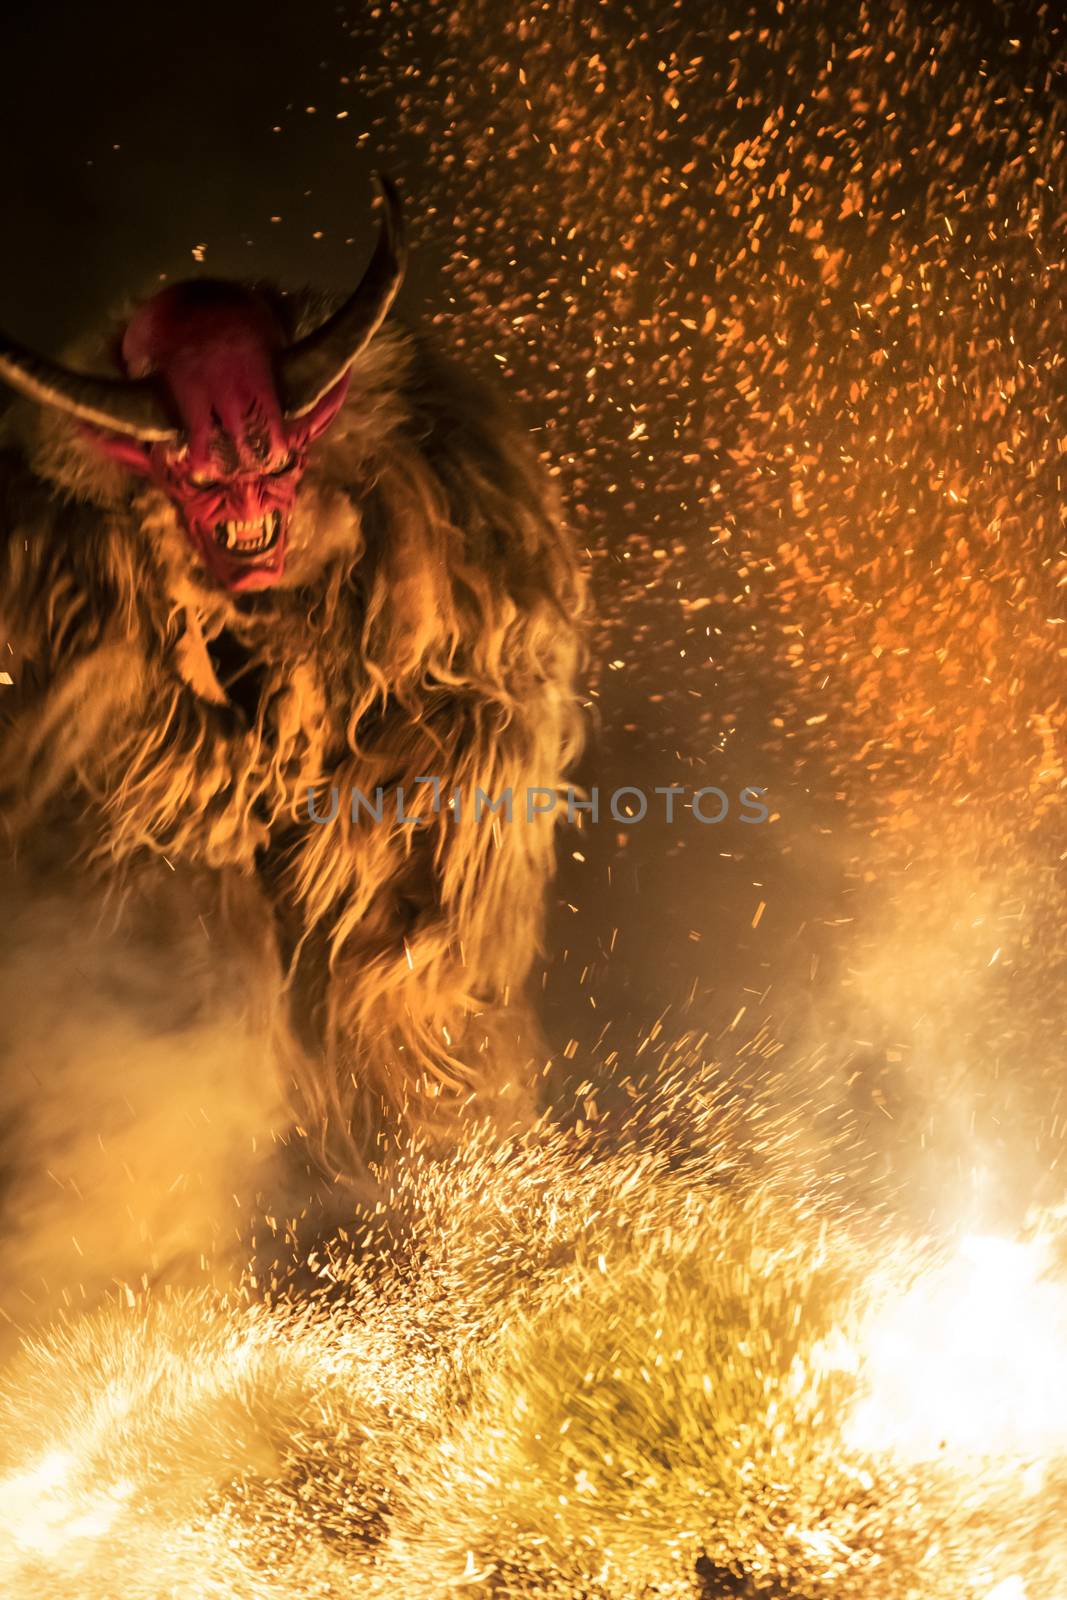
(277,551)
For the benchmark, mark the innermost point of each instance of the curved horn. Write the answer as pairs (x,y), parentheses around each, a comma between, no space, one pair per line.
(309,368)
(132,406)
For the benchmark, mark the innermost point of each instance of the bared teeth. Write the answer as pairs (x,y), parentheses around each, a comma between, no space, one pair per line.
(249,537)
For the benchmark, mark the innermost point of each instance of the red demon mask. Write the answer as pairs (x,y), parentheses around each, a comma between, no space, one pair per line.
(219,408)
(234,471)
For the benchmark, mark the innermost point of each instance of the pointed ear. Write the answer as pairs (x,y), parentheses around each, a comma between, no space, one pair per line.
(318,419)
(131,453)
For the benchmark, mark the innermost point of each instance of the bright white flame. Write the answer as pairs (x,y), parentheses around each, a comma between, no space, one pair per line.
(41,1513)
(1011,1589)
(969,1360)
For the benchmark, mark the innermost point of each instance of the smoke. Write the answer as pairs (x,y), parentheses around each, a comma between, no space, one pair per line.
(140,1108)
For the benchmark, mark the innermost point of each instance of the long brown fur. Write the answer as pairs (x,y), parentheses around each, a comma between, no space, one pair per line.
(426,626)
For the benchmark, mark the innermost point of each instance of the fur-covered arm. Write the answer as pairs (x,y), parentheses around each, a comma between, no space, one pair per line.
(34,529)
(74,640)
(469,600)
(51,561)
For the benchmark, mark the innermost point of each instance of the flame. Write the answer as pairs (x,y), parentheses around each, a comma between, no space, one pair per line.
(42,1512)
(1012,1588)
(969,1361)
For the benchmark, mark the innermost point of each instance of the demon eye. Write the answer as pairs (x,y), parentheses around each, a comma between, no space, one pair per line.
(204,480)
(286,466)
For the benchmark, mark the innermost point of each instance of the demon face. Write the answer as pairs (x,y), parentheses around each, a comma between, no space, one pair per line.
(219,408)
(234,470)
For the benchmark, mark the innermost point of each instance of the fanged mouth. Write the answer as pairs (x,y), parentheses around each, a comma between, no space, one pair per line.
(244,539)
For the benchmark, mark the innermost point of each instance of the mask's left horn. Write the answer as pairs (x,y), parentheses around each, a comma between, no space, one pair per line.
(132,406)
(309,369)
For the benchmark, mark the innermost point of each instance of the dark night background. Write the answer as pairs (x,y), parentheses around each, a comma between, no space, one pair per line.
(140,140)
(133,133)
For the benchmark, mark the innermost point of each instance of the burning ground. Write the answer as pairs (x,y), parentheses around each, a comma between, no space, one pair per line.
(580,1373)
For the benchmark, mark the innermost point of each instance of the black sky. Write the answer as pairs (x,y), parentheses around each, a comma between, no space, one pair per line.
(133,133)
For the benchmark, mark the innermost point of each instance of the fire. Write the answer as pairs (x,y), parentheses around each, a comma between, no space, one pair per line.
(969,1360)
(43,1514)
(596,1373)
(965,1367)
